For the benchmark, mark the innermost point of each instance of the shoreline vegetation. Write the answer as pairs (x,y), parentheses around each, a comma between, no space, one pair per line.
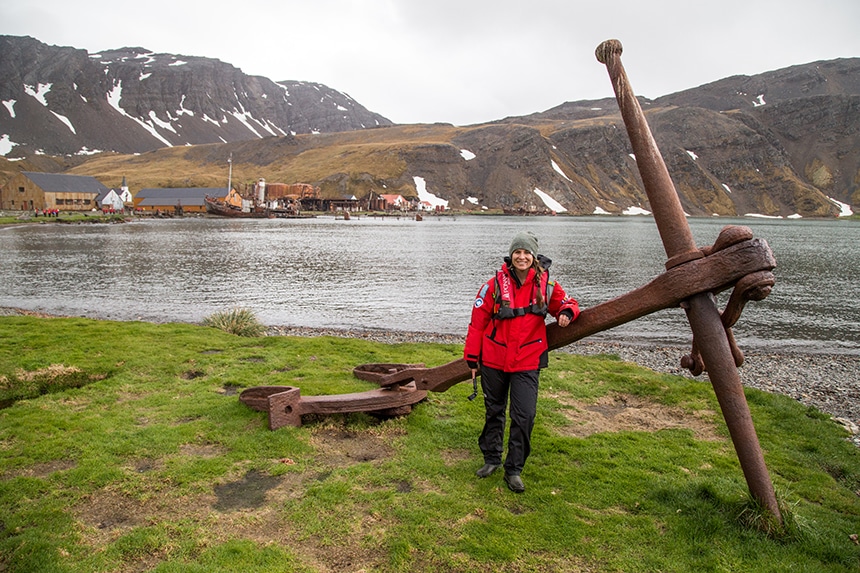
(134,453)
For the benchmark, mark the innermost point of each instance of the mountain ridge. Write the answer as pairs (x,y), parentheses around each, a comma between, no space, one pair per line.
(782,143)
(131,100)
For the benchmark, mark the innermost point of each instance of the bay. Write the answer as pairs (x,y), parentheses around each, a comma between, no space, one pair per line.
(391,273)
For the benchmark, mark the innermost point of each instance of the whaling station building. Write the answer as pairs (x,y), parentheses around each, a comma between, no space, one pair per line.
(182,199)
(191,199)
(30,191)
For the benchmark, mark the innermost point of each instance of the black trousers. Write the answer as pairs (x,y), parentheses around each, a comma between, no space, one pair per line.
(522,387)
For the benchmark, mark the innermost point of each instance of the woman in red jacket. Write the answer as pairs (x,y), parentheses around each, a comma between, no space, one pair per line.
(507,338)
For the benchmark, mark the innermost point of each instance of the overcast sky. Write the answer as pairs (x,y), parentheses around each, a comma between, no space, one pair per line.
(461,61)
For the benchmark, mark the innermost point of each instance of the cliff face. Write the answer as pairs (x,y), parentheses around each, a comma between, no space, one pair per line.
(791,158)
(781,143)
(64,101)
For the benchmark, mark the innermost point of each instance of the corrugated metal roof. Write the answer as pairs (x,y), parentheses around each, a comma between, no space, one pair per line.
(186,196)
(170,201)
(60,183)
(182,192)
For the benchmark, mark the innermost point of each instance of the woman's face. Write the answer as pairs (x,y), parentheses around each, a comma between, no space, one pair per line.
(522,259)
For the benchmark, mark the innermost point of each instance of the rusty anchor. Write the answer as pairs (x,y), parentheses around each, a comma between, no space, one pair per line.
(286,405)
(712,341)
(692,278)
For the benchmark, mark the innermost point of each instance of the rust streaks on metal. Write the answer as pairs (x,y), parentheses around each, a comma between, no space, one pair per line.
(712,339)
(286,406)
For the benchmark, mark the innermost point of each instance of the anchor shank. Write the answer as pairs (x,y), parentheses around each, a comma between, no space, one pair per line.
(665,205)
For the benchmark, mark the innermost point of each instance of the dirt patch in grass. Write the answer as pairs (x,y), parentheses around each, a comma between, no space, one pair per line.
(192,374)
(454,457)
(254,505)
(339,448)
(246,493)
(143,465)
(40,470)
(106,515)
(625,412)
(106,510)
(76,404)
(231,390)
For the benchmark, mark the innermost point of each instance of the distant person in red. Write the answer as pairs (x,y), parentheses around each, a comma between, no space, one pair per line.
(507,340)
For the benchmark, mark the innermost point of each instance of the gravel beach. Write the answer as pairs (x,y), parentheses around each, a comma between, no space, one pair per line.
(829,382)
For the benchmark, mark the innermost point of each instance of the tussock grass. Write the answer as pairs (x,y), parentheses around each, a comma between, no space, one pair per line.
(23,384)
(238,321)
(159,467)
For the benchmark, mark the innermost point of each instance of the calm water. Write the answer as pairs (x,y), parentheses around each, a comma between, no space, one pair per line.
(416,276)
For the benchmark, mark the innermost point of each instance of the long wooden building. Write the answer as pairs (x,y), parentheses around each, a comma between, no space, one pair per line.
(31,191)
(182,199)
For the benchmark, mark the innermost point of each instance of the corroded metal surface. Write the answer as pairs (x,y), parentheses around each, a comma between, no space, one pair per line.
(286,405)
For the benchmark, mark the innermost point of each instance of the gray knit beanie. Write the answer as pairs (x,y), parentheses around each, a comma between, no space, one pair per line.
(525,240)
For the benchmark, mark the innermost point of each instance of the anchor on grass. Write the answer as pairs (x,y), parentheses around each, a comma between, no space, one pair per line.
(692,278)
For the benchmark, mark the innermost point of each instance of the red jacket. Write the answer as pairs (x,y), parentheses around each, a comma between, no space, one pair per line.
(518,343)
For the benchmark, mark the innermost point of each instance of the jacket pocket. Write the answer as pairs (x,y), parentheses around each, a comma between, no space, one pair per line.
(530,352)
(493,352)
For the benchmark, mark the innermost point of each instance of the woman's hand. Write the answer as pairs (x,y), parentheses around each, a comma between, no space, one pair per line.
(563,320)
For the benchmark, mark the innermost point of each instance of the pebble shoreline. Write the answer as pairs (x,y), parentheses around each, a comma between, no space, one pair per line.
(829,382)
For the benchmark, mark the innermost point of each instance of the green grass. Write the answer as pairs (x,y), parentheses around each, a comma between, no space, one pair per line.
(150,462)
(14,218)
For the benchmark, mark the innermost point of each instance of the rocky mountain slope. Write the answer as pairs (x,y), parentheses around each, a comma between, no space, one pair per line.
(783,143)
(780,143)
(65,101)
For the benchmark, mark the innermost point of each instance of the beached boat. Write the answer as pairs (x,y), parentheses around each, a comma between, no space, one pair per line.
(260,205)
(215,207)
